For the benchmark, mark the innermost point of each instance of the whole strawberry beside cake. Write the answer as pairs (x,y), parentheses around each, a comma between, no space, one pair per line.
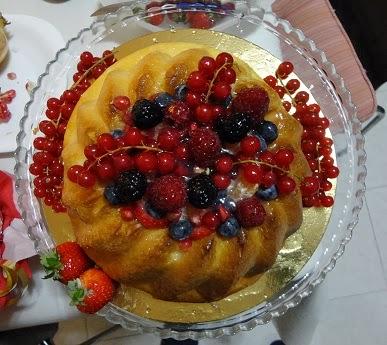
(183,173)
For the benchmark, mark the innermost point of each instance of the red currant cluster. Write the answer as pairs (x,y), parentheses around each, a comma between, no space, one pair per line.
(47,165)
(5,99)
(316,146)
(212,82)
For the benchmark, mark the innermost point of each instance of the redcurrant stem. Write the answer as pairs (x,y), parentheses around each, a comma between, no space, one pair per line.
(92,66)
(212,81)
(286,90)
(147,148)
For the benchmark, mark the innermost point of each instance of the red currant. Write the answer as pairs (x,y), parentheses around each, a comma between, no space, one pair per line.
(301,108)
(52,114)
(57,169)
(40,192)
(43,158)
(182,152)
(40,143)
(293,85)
(252,173)
(87,58)
(181,169)
(146,161)
(325,185)
(81,67)
(286,185)
(323,122)
(267,157)
(105,171)
(268,179)
(308,146)
(284,69)
(193,99)
(221,90)
(227,75)
(86,179)
(73,172)
(221,181)
(203,113)
(224,164)
(324,151)
(77,76)
(280,90)
(287,105)
(224,59)
(36,169)
(122,162)
(327,162)
(133,137)
(197,82)
(313,164)
(48,128)
(314,108)
(66,110)
(106,142)
(270,80)
(98,70)
(283,157)
(166,162)
(92,151)
(318,134)
(217,110)
(62,129)
(108,57)
(331,172)
(326,142)
(309,201)
(250,145)
(309,186)
(207,66)
(70,96)
(54,103)
(168,138)
(301,97)
(121,103)
(326,201)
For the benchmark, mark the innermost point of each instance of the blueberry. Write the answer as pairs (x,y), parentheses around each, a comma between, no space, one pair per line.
(180,230)
(234,128)
(181,91)
(267,194)
(111,195)
(146,114)
(229,228)
(163,99)
(153,212)
(201,191)
(268,130)
(130,186)
(117,133)
(226,201)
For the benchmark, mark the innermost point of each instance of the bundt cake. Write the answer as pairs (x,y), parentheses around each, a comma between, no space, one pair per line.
(183,184)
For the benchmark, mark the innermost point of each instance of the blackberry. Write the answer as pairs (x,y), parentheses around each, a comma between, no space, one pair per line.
(130,186)
(146,114)
(201,191)
(234,128)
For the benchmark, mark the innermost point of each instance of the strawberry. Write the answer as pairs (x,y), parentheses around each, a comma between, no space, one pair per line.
(201,20)
(253,101)
(250,212)
(67,262)
(91,291)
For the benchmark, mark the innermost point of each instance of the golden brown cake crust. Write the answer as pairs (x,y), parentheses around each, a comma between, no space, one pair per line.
(149,259)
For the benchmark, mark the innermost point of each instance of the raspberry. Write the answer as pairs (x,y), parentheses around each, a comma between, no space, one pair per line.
(167,193)
(178,113)
(250,212)
(253,101)
(205,147)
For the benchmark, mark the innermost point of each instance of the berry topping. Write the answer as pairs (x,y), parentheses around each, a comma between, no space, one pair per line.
(144,216)
(178,114)
(250,212)
(225,201)
(180,230)
(146,114)
(130,186)
(205,147)
(230,228)
(163,99)
(167,193)
(181,91)
(267,194)
(234,128)
(268,131)
(201,191)
(253,101)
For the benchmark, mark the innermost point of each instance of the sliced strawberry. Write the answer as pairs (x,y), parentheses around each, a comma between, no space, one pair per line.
(200,232)
(146,219)
(223,213)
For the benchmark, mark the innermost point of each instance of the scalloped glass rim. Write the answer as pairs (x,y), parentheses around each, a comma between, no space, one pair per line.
(321,262)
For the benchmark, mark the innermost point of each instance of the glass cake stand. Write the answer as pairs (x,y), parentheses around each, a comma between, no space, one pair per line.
(285,43)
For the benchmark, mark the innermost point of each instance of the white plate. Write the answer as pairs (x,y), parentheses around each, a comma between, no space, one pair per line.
(32,42)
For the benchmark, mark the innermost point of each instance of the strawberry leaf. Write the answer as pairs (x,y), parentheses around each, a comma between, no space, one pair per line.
(51,264)
(76,292)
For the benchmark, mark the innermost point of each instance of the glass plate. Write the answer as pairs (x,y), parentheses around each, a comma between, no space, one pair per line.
(316,72)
